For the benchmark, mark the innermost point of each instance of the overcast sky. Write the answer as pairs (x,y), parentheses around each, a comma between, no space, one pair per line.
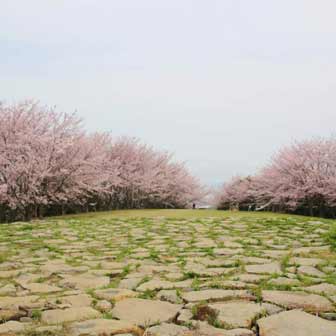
(222,84)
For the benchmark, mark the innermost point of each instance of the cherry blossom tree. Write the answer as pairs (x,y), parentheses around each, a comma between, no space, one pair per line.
(45,159)
(239,194)
(50,165)
(149,178)
(300,178)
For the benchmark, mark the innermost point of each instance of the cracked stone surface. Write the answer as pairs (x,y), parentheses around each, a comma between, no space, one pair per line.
(290,300)
(105,274)
(264,268)
(114,294)
(103,327)
(11,328)
(167,329)
(59,316)
(145,312)
(238,314)
(295,322)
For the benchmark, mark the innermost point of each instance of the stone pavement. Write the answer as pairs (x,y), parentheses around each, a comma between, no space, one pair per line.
(234,276)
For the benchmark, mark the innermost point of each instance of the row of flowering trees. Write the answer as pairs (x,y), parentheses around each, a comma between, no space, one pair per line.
(301,178)
(50,165)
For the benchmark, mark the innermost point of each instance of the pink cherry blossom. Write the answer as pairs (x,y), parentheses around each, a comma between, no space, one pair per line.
(300,178)
(50,165)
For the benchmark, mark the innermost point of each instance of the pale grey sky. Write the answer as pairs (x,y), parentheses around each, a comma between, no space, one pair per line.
(222,84)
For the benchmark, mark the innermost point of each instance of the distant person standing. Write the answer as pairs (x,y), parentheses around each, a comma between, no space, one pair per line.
(194,206)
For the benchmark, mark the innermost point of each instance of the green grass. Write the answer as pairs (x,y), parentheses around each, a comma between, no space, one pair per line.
(185,214)
(331,237)
(36,314)
(147,294)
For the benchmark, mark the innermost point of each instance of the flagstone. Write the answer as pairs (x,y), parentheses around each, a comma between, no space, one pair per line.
(14,302)
(85,281)
(42,288)
(250,278)
(311,271)
(239,314)
(323,288)
(295,322)
(269,268)
(99,327)
(58,316)
(115,294)
(79,300)
(227,251)
(145,312)
(8,289)
(11,314)
(216,295)
(12,328)
(291,300)
(306,261)
(130,283)
(204,329)
(166,329)
(282,281)
(9,274)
